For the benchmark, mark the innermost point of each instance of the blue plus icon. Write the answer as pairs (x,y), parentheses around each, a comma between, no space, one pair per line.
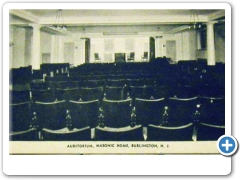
(227,145)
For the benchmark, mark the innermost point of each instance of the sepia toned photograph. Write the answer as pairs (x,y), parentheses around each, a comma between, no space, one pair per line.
(116,81)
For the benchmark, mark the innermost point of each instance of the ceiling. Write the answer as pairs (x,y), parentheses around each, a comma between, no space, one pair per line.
(119,20)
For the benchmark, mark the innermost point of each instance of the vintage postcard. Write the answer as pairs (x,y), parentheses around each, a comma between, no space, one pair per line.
(110,79)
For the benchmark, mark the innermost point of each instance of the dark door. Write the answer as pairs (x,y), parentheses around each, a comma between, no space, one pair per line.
(87,51)
(152,48)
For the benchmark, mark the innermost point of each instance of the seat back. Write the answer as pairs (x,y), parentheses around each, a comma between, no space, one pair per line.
(161,133)
(20,116)
(117,113)
(19,96)
(59,85)
(51,115)
(149,111)
(92,83)
(28,135)
(115,93)
(131,56)
(213,111)
(96,56)
(68,94)
(120,134)
(143,92)
(186,91)
(84,113)
(208,132)
(119,57)
(38,85)
(46,95)
(145,55)
(89,94)
(181,111)
(83,134)
(165,91)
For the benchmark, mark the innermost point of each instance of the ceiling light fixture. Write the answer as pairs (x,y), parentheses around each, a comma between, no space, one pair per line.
(194,19)
(59,23)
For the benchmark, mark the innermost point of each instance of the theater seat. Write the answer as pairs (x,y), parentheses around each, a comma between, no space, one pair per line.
(51,115)
(38,85)
(119,134)
(83,134)
(92,83)
(20,117)
(116,82)
(115,93)
(19,96)
(212,90)
(209,132)
(163,133)
(84,113)
(149,111)
(144,92)
(43,95)
(91,93)
(181,111)
(213,111)
(68,94)
(212,119)
(27,135)
(185,91)
(117,113)
(60,85)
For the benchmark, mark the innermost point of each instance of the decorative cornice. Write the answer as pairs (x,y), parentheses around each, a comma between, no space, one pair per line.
(25,15)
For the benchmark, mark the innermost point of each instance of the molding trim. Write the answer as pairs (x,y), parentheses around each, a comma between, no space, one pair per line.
(25,15)
(216,15)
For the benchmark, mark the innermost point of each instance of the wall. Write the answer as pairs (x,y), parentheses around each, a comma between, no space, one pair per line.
(186,46)
(19,47)
(11,34)
(171,37)
(46,40)
(53,45)
(202,54)
(192,44)
(106,47)
(220,43)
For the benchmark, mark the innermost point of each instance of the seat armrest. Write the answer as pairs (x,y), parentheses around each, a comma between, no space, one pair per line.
(69,122)
(133,117)
(101,118)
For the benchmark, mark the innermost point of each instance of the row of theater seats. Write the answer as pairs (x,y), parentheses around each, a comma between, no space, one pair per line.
(170,119)
(182,67)
(117,80)
(115,93)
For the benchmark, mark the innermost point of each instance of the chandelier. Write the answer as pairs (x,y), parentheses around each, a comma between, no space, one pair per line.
(59,23)
(195,24)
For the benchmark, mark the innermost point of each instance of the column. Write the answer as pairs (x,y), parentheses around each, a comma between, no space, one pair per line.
(210,44)
(36,58)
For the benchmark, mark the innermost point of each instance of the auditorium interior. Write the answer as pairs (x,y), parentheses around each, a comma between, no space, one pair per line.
(116,75)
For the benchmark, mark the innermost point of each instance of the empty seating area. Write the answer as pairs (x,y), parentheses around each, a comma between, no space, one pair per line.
(148,101)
